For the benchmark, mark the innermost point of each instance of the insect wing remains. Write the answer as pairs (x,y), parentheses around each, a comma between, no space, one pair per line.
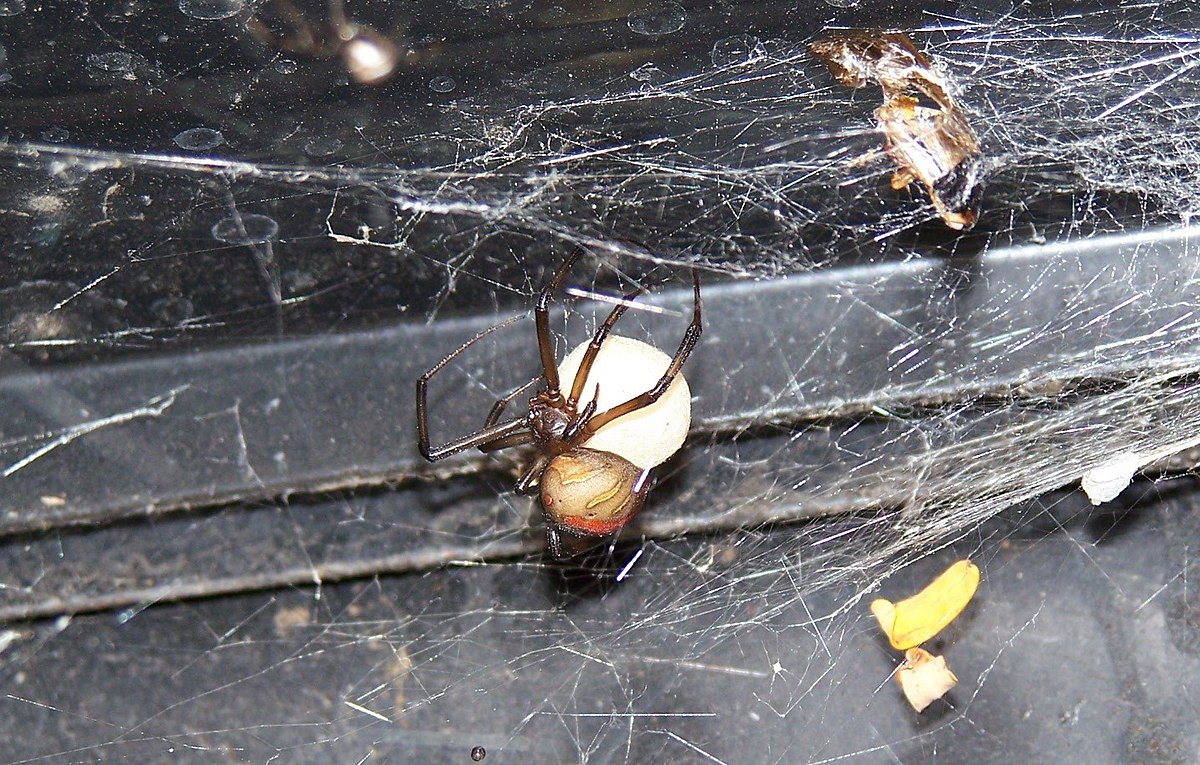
(932,143)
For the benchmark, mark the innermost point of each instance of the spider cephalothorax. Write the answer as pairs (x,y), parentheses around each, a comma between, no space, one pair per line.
(550,419)
(592,463)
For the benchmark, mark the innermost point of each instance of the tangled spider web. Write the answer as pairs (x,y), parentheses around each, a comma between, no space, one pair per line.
(227,264)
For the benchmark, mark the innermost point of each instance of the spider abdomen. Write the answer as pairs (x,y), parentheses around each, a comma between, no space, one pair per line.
(590,492)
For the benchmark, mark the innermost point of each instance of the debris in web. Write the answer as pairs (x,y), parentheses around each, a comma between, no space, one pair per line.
(932,144)
(924,678)
(921,617)
(1105,482)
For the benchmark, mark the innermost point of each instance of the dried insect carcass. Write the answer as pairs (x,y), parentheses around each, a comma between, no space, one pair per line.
(923,677)
(930,142)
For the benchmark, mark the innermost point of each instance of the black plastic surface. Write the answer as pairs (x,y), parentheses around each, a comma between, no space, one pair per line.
(1076,649)
(217,540)
(300,417)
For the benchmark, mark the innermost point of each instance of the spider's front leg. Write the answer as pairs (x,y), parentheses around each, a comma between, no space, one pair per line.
(495,436)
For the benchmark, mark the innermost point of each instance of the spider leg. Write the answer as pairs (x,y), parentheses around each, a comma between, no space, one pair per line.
(589,356)
(541,317)
(570,435)
(480,437)
(649,397)
(490,433)
(498,407)
(532,475)
(506,442)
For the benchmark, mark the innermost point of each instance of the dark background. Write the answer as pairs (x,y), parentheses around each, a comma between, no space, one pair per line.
(225,264)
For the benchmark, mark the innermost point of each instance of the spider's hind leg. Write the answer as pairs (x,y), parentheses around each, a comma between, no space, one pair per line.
(532,476)
(593,349)
(690,338)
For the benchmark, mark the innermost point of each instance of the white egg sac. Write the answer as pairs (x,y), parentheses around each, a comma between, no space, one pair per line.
(623,369)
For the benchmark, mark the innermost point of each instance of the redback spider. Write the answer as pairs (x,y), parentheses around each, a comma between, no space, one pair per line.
(592,467)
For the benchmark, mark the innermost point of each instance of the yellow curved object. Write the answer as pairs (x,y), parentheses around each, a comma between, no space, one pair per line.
(914,620)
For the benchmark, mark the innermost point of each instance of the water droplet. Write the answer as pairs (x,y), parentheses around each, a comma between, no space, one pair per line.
(172,310)
(209,10)
(663,20)
(245,229)
(736,50)
(322,146)
(11,7)
(199,139)
(285,66)
(842,3)
(442,84)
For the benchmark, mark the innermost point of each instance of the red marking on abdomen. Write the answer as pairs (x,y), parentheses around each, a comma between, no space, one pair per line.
(594,526)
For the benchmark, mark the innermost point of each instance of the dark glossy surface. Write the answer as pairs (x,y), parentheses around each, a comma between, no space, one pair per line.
(225,265)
